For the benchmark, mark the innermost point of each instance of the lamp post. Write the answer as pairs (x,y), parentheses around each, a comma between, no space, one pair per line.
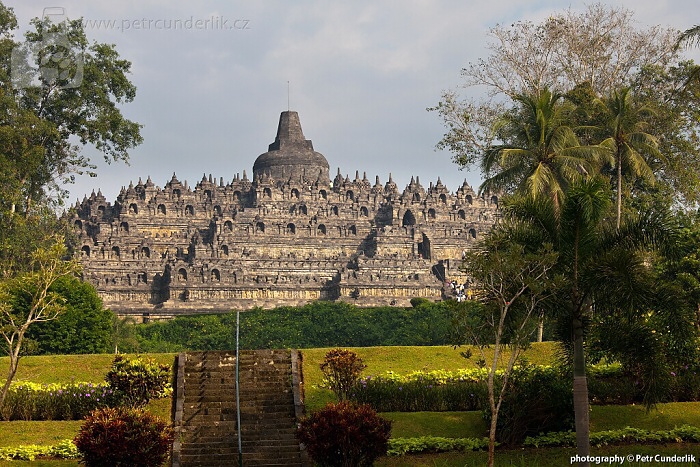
(238,393)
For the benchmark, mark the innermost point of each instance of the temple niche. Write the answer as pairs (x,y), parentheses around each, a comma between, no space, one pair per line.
(286,236)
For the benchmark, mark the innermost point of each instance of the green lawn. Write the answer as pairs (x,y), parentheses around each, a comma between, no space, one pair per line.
(68,368)
(46,369)
(46,433)
(443,424)
(63,369)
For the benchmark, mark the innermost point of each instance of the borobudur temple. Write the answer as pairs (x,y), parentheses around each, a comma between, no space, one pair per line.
(286,236)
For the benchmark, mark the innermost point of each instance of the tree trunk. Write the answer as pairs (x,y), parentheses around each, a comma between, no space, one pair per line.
(14,362)
(494,416)
(580,394)
(540,330)
(492,439)
(619,188)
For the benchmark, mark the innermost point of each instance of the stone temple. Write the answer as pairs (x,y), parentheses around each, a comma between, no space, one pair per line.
(286,236)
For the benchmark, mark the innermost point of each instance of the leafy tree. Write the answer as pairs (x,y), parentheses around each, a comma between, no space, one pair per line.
(601,46)
(513,284)
(673,97)
(606,273)
(58,88)
(49,265)
(20,236)
(675,314)
(58,93)
(84,327)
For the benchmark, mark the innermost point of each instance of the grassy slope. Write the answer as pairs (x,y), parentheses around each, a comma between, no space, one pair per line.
(67,368)
(378,360)
(444,424)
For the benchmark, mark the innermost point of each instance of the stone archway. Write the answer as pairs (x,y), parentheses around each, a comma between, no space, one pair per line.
(408,219)
(424,247)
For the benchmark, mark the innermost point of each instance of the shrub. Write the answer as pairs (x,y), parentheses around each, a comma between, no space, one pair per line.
(613,387)
(345,434)
(341,369)
(139,380)
(420,301)
(539,400)
(123,436)
(685,383)
(465,389)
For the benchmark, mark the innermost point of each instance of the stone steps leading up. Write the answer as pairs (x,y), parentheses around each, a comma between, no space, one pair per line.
(205,409)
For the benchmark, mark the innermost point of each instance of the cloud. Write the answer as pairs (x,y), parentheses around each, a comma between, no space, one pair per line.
(361,75)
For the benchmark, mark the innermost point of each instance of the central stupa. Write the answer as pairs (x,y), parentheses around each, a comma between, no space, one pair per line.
(292,156)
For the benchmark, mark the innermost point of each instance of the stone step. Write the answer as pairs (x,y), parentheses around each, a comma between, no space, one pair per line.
(208,433)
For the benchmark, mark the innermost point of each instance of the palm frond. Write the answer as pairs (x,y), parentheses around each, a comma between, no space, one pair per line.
(689,37)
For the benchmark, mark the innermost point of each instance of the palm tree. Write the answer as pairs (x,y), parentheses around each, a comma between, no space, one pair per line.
(689,37)
(540,154)
(604,268)
(622,124)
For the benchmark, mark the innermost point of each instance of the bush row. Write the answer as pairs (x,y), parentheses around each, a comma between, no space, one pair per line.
(73,401)
(434,391)
(63,450)
(430,444)
(318,324)
(465,390)
(682,434)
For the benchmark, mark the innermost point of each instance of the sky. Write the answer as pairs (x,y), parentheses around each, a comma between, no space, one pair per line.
(213,76)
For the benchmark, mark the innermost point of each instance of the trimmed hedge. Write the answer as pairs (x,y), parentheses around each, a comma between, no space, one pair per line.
(465,390)
(433,391)
(431,444)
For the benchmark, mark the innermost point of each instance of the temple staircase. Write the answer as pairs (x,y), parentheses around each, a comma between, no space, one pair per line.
(205,416)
